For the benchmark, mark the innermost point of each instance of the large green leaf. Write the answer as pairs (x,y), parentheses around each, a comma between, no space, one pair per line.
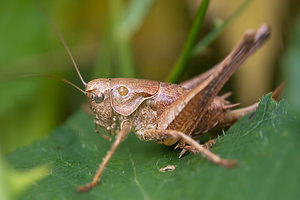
(266,146)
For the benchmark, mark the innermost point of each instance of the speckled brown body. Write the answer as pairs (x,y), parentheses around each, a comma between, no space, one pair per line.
(146,113)
(146,116)
(169,113)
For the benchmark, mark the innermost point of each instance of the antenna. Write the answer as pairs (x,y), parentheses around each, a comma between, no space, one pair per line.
(43,76)
(63,42)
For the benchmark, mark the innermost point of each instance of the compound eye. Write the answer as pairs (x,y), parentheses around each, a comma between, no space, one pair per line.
(123,91)
(99,98)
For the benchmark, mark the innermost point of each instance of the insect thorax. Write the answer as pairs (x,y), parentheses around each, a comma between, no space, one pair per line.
(145,117)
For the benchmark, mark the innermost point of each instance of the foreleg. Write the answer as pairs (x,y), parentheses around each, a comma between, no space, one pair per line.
(99,133)
(121,135)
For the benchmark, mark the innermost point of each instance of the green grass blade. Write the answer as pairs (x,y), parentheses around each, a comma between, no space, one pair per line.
(188,47)
(201,45)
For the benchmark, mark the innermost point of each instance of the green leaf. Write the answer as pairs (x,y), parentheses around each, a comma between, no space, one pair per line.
(265,145)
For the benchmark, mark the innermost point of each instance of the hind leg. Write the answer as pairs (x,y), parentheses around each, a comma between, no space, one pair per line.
(154,134)
(193,150)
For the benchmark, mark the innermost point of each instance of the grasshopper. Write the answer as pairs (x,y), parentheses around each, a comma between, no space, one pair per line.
(168,113)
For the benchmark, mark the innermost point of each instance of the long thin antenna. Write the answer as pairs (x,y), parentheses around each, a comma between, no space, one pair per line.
(63,42)
(64,80)
(44,76)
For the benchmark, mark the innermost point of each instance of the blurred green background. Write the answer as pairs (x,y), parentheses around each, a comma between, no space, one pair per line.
(119,38)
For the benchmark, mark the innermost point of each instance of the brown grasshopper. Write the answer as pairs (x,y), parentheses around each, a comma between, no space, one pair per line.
(168,113)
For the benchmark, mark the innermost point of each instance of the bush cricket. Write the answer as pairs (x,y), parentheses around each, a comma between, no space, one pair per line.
(168,113)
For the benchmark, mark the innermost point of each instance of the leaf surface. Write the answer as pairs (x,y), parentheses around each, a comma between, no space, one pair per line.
(265,145)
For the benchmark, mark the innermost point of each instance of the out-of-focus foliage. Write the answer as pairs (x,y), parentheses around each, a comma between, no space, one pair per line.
(115,59)
(23,39)
(219,28)
(13,182)
(291,65)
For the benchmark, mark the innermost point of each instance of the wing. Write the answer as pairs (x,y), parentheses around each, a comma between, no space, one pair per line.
(185,113)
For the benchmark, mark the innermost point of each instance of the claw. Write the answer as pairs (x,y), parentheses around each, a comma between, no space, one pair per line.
(85,188)
(228,163)
(177,146)
(230,106)
(183,151)
(226,95)
(209,143)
